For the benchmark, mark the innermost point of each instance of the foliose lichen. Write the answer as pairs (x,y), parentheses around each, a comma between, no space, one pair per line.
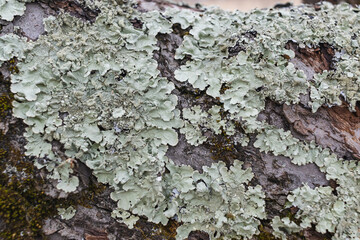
(10,8)
(95,88)
(196,121)
(67,213)
(279,224)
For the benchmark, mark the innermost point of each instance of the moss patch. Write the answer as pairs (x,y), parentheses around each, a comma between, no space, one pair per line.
(23,203)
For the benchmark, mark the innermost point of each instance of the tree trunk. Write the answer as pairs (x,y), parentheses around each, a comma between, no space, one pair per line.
(265,100)
(353,2)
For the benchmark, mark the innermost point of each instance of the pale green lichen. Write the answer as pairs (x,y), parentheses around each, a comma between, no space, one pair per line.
(11,8)
(95,88)
(62,173)
(197,121)
(11,45)
(216,201)
(338,214)
(67,213)
(320,200)
(125,217)
(255,68)
(280,224)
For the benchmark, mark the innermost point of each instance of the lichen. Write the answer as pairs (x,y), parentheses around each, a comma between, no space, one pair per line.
(215,201)
(11,8)
(67,213)
(11,45)
(23,204)
(197,121)
(281,224)
(95,88)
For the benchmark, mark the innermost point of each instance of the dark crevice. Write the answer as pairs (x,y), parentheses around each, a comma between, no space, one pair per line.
(273,115)
(218,147)
(161,5)
(283,5)
(167,64)
(251,35)
(353,2)
(333,184)
(58,148)
(165,56)
(136,23)
(240,46)
(319,58)
(233,51)
(74,8)
(198,235)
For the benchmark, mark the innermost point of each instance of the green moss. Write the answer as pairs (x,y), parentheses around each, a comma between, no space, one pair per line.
(264,234)
(291,214)
(5,105)
(23,204)
(23,208)
(6,99)
(222,147)
(167,231)
(12,66)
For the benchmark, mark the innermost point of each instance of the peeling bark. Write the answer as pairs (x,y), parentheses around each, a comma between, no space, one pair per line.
(312,60)
(330,127)
(353,2)
(73,7)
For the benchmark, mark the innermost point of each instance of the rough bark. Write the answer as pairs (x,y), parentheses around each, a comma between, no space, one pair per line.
(353,2)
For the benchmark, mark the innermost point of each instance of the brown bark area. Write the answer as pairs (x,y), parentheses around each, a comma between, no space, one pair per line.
(353,2)
(312,60)
(334,128)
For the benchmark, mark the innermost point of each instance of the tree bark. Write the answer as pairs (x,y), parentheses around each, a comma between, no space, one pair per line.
(29,201)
